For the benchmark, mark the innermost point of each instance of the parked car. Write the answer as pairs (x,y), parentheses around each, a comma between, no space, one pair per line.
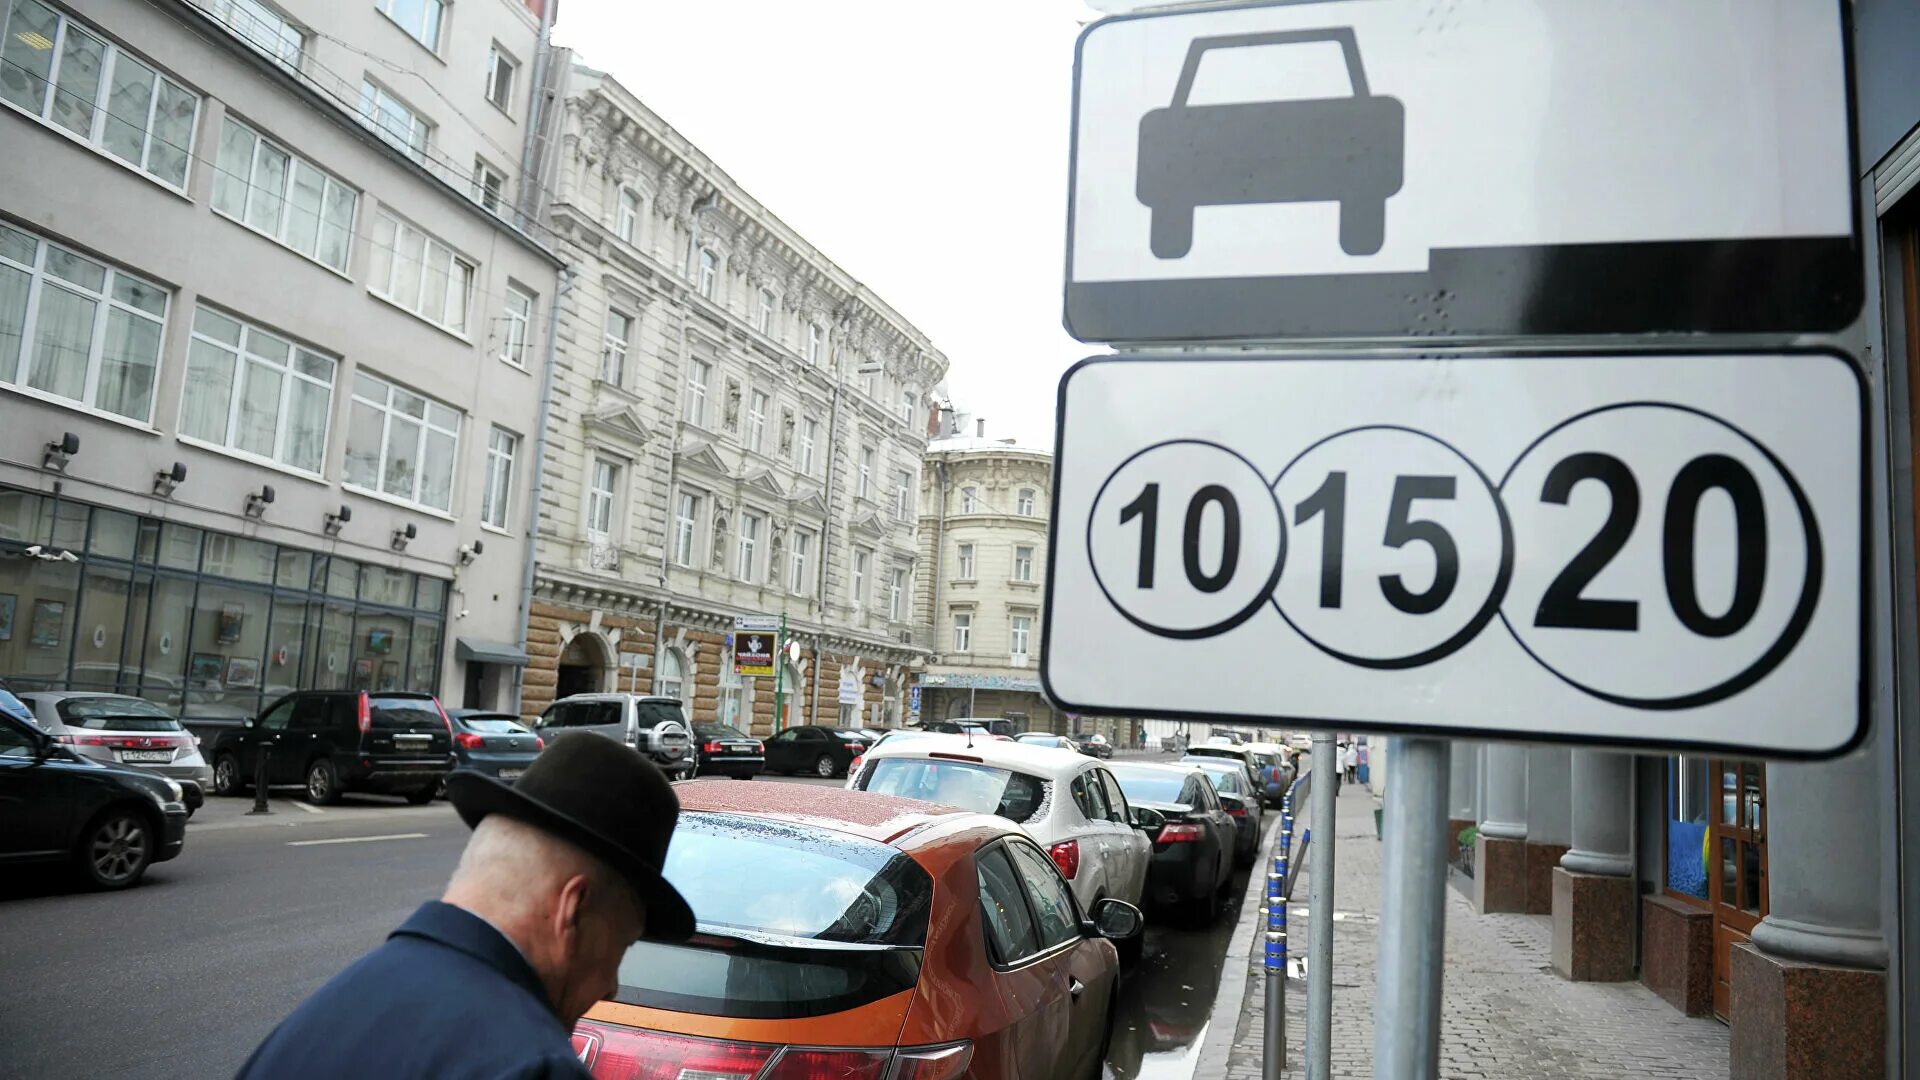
(871,917)
(335,741)
(813,748)
(108,822)
(655,726)
(1241,797)
(124,730)
(1047,738)
(723,750)
(1068,802)
(1193,853)
(1240,752)
(494,743)
(1096,745)
(959,725)
(1274,770)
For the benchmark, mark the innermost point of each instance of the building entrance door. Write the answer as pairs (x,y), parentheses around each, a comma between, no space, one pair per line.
(1736,865)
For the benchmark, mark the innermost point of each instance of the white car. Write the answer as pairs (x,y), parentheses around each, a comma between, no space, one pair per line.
(1068,802)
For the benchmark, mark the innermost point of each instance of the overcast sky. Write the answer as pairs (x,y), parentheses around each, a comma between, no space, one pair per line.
(921,146)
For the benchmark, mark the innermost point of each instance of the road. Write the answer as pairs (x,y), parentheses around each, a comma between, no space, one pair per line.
(184,974)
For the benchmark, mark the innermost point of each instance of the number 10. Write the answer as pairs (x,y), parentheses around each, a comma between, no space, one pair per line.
(1146,507)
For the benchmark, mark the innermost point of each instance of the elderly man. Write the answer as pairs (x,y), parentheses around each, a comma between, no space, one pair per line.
(561,875)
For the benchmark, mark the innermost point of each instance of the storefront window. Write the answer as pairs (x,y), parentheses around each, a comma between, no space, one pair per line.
(239,559)
(228,643)
(286,638)
(114,535)
(102,629)
(379,585)
(729,712)
(36,620)
(425,655)
(168,616)
(333,649)
(380,650)
(25,517)
(69,526)
(433,595)
(1689,792)
(179,547)
(295,569)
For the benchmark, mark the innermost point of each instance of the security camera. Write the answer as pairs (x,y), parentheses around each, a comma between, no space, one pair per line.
(68,556)
(34,550)
(463,613)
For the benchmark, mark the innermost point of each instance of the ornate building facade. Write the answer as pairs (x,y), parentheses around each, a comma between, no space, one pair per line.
(736,428)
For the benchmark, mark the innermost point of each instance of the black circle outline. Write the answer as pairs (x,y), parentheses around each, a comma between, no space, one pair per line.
(1231,622)
(1789,635)
(1473,626)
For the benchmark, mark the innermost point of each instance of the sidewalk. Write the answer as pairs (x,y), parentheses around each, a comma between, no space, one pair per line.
(1506,1015)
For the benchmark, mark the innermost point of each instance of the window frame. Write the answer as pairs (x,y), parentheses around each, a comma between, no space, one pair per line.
(869,460)
(707,273)
(1020,638)
(425,423)
(598,515)
(903,496)
(962,620)
(964,563)
(629,209)
(699,379)
(797,556)
(747,546)
(395,255)
(763,316)
(759,403)
(496,486)
(289,374)
(516,336)
(280,234)
(897,588)
(225,10)
(1024,556)
(686,527)
(438,9)
(1024,502)
(498,57)
(614,349)
(809,435)
(907,407)
(417,141)
(862,570)
(969,500)
(814,336)
(484,192)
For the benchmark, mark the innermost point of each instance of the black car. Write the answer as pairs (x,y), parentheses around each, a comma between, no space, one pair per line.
(814,748)
(494,743)
(1240,794)
(1193,852)
(727,751)
(334,741)
(110,822)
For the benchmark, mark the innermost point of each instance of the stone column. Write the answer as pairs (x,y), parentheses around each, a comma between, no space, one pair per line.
(1810,990)
(1500,849)
(1549,820)
(1593,889)
(1463,791)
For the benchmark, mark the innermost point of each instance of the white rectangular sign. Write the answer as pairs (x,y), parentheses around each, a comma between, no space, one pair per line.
(1356,168)
(1636,550)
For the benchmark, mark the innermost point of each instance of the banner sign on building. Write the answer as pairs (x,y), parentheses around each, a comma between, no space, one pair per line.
(755,640)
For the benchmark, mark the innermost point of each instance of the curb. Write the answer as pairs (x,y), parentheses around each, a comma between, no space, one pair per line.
(1244,951)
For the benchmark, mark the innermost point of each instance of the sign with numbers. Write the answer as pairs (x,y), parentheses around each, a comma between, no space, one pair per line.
(1636,550)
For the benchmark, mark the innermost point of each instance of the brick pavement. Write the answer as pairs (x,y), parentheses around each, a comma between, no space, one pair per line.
(1506,1015)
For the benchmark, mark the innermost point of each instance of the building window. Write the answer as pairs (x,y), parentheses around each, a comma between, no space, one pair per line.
(969,500)
(419,18)
(613,361)
(279,194)
(809,430)
(497,490)
(78,329)
(866,471)
(1023,562)
(516,326)
(709,272)
(862,561)
(395,120)
(261,27)
(673,674)
(763,319)
(749,540)
(903,496)
(797,562)
(869,380)
(1023,504)
(420,274)
(686,518)
(698,372)
(897,595)
(962,631)
(500,72)
(61,72)
(756,420)
(964,564)
(627,220)
(906,407)
(256,392)
(1020,632)
(601,489)
(813,343)
(729,710)
(401,444)
(488,185)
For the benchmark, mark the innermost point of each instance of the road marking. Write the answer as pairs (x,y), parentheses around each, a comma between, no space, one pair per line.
(358,839)
(304,806)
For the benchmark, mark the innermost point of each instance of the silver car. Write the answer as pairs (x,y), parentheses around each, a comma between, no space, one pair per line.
(655,726)
(124,730)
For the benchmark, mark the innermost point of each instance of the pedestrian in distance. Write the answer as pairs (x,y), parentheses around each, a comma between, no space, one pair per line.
(560,876)
(1350,761)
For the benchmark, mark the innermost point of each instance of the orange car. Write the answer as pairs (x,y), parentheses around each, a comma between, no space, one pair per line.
(858,936)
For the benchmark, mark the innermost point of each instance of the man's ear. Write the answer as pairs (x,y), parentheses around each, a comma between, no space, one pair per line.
(568,911)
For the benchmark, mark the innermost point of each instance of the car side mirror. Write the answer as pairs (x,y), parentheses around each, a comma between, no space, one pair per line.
(1148,820)
(1117,920)
(246,723)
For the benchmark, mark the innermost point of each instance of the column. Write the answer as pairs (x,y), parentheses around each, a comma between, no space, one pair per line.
(1463,790)
(1549,820)
(1593,889)
(1809,993)
(1500,848)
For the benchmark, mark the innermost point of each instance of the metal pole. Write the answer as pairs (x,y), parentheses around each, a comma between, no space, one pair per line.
(1413,911)
(536,488)
(1319,1048)
(260,782)
(1273,1065)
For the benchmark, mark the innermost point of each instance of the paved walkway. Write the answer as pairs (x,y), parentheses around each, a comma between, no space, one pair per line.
(1506,1015)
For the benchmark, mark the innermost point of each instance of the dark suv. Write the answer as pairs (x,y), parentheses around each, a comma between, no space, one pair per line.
(333,741)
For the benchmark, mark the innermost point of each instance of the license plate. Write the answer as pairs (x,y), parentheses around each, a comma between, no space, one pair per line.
(739,748)
(511,774)
(146,755)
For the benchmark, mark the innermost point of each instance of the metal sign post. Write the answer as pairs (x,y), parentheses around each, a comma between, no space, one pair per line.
(1413,912)
(1320,924)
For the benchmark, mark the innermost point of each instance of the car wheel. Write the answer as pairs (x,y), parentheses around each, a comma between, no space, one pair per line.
(1170,231)
(823,767)
(116,848)
(1363,226)
(226,776)
(323,783)
(423,796)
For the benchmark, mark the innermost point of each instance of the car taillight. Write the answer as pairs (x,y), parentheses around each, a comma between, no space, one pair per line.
(631,1054)
(539,743)
(1066,856)
(932,1063)
(795,1064)
(759,748)
(467,740)
(366,714)
(1179,834)
(712,748)
(1236,811)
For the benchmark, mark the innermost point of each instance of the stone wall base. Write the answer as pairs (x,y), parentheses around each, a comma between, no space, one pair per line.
(1499,874)
(1454,826)
(1676,953)
(1592,926)
(1542,861)
(1792,1020)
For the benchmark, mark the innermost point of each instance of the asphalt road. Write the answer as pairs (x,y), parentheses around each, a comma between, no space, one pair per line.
(184,974)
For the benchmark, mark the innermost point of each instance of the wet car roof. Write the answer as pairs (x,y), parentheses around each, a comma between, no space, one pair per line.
(860,813)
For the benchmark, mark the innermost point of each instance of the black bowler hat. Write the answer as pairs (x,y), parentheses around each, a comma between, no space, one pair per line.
(603,797)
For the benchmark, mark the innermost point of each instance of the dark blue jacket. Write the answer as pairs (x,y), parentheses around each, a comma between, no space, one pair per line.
(446,996)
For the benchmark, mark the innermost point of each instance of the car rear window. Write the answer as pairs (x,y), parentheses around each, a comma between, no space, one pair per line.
(720,731)
(653,712)
(1016,796)
(493,727)
(835,921)
(1143,786)
(116,714)
(1226,781)
(405,714)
